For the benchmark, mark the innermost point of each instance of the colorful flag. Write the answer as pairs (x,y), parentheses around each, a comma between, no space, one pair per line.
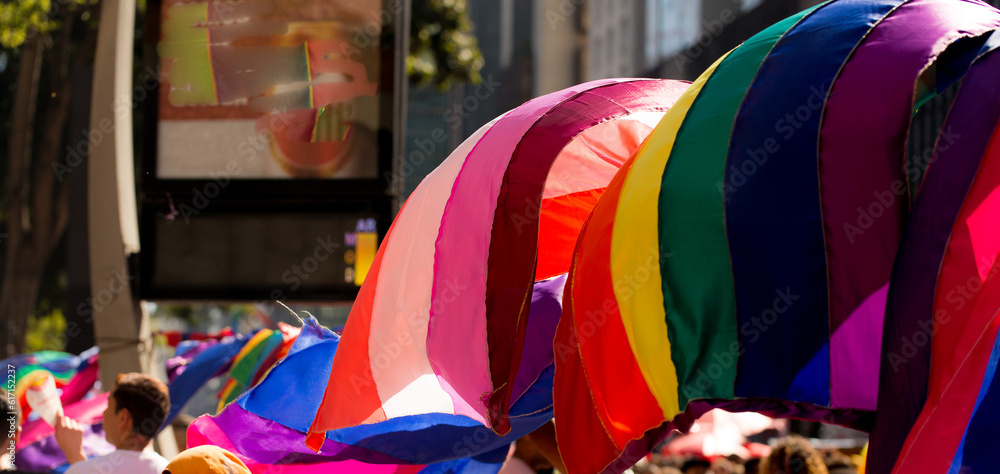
(743,260)
(440,324)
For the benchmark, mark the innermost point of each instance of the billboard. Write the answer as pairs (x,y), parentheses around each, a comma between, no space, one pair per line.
(285,89)
(266,146)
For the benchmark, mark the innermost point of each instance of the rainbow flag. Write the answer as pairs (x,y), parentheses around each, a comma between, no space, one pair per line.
(757,251)
(441,322)
(943,322)
(259,353)
(201,363)
(74,375)
(279,410)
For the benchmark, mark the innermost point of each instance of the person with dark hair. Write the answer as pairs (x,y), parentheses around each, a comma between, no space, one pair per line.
(696,466)
(136,408)
(725,466)
(839,463)
(793,455)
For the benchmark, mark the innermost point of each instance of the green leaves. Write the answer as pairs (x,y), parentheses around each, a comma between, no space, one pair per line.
(443,48)
(21,18)
(45,332)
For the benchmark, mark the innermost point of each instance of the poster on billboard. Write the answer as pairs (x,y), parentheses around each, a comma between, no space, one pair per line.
(266,155)
(270,89)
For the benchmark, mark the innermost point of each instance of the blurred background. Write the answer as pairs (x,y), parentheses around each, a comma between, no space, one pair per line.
(142,201)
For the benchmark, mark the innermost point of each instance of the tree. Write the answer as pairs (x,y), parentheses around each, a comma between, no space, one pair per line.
(443,48)
(39,42)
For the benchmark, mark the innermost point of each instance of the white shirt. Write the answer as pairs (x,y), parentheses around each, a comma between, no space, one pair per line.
(122,460)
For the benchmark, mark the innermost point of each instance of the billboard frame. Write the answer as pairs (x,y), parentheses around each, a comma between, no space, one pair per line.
(381,195)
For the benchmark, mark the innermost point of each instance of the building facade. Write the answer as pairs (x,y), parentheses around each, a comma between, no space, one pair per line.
(670,38)
(533,47)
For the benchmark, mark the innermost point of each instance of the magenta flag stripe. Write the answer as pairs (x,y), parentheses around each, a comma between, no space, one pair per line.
(960,147)
(456,334)
(514,242)
(863,213)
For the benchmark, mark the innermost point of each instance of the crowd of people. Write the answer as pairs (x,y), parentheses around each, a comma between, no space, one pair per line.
(138,404)
(790,455)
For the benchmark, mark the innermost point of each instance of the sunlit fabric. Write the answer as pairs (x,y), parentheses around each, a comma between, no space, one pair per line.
(760,251)
(442,322)
(267,426)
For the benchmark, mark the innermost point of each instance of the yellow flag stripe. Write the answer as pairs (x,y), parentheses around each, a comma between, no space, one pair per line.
(635,255)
